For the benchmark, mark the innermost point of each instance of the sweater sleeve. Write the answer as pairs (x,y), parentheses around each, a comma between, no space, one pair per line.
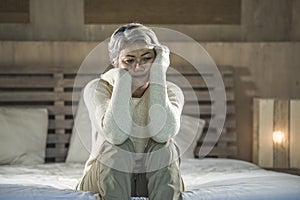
(166,103)
(111,111)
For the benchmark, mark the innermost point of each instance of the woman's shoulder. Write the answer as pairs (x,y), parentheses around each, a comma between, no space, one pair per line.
(97,87)
(97,83)
(103,84)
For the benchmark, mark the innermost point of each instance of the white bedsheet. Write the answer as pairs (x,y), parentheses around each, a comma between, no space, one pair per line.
(58,175)
(204,179)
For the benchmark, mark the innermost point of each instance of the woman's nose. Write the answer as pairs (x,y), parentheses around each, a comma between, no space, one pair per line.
(137,65)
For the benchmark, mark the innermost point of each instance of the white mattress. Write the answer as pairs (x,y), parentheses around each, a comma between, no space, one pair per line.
(204,179)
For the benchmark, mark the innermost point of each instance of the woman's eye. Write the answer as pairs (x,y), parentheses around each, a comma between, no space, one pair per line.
(147,58)
(129,61)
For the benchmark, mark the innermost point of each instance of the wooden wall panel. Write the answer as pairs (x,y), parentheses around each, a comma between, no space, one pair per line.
(163,12)
(281,123)
(295,134)
(14,11)
(265,147)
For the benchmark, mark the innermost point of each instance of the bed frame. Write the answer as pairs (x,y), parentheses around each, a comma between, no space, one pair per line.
(51,87)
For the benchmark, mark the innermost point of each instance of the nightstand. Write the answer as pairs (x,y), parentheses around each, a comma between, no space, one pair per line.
(292,171)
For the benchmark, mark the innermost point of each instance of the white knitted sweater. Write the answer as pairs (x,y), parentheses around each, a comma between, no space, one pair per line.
(117,116)
(112,129)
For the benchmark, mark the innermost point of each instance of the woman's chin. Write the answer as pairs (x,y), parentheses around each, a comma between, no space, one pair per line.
(140,76)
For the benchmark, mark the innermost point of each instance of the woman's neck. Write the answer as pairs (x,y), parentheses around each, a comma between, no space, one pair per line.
(138,93)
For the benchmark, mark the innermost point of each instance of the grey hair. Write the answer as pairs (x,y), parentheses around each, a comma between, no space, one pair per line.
(129,34)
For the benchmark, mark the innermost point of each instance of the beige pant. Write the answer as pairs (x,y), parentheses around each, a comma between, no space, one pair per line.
(111,184)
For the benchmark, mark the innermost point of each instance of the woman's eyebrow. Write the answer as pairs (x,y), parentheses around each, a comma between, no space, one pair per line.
(141,55)
(145,53)
(130,56)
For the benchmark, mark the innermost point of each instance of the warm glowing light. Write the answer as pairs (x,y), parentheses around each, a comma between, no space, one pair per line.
(278,137)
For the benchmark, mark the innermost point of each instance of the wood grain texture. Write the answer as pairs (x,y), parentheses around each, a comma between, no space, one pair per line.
(14,11)
(281,123)
(269,116)
(255,142)
(265,139)
(162,12)
(295,134)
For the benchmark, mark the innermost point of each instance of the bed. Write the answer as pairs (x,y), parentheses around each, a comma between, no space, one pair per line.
(54,94)
(209,178)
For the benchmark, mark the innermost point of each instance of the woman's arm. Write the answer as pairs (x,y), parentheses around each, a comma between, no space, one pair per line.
(166,103)
(110,110)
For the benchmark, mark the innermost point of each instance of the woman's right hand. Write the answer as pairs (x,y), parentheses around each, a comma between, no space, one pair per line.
(116,74)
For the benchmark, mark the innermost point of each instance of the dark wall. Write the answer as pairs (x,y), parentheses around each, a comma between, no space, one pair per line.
(260,20)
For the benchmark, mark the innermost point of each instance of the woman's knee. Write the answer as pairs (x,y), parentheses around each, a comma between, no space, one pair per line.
(126,146)
(160,155)
(154,146)
(170,147)
(118,157)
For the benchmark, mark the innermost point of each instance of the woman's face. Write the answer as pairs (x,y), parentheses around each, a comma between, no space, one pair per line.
(137,60)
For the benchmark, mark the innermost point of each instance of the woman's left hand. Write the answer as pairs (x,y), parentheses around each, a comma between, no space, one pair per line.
(162,58)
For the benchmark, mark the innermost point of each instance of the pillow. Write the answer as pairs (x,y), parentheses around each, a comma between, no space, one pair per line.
(83,130)
(23,135)
(190,131)
(81,139)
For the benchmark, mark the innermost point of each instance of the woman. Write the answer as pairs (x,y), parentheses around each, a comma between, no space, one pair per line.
(136,113)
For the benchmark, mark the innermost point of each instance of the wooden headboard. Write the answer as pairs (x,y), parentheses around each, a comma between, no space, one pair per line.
(51,87)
